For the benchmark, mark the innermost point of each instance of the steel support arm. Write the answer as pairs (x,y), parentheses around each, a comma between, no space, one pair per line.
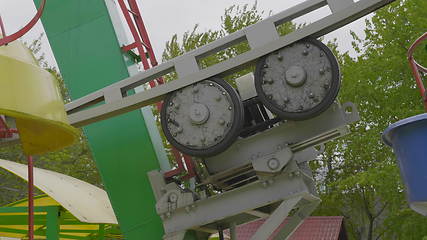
(262,38)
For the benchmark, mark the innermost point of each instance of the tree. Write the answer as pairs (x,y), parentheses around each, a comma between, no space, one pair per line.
(75,160)
(360,177)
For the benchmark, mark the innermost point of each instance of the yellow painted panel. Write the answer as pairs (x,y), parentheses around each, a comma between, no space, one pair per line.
(31,95)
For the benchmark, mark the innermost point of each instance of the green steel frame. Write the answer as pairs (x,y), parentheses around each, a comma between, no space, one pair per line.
(88,54)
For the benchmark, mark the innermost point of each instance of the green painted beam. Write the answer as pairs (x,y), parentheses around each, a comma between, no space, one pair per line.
(86,49)
(52,224)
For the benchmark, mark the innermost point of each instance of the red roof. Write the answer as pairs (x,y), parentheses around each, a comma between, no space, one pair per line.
(313,228)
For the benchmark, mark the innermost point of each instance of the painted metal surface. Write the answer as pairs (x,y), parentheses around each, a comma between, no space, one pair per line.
(52,222)
(417,68)
(31,95)
(86,202)
(85,46)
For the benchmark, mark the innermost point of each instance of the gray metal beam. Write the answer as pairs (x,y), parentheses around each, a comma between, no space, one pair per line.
(189,72)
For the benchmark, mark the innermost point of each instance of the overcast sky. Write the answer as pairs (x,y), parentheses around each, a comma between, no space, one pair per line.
(163,18)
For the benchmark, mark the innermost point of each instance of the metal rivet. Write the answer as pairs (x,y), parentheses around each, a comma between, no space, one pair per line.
(223,93)
(311,95)
(179,130)
(321,54)
(280,57)
(266,65)
(307,45)
(326,85)
(286,99)
(211,84)
(322,71)
(270,96)
(171,103)
(230,108)
(305,52)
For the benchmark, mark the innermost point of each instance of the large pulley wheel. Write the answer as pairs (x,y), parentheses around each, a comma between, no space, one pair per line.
(203,119)
(299,81)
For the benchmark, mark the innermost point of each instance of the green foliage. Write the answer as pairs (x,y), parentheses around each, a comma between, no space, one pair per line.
(359,174)
(75,160)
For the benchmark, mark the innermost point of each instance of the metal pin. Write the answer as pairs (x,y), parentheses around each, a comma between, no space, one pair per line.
(326,85)
(223,93)
(230,108)
(311,95)
(211,84)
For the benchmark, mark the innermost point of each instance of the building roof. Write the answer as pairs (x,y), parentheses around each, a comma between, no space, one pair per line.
(312,228)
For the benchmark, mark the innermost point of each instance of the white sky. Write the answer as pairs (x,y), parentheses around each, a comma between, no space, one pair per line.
(163,18)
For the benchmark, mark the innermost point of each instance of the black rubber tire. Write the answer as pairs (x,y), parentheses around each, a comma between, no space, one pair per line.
(310,113)
(230,137)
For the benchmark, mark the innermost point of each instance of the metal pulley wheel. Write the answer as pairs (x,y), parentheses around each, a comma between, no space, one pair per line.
(203,119)
(299,81)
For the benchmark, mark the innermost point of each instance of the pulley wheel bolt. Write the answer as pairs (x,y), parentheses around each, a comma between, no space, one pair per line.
(273,164)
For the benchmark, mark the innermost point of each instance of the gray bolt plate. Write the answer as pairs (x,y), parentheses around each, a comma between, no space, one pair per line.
(200,116)
(298,78)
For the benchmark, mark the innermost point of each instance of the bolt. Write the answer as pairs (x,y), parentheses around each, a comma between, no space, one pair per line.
(322,71)
(221,122)
(280,57)
(173,197)
(307,45)
(326,85)
(266,65)
(286,100)
(171,103)
(223,93)
(311,95)
(265,184)
(273,164)
(270,96)
(230,108)
(305,52)
(211,84)
(179,130)
(321,54)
